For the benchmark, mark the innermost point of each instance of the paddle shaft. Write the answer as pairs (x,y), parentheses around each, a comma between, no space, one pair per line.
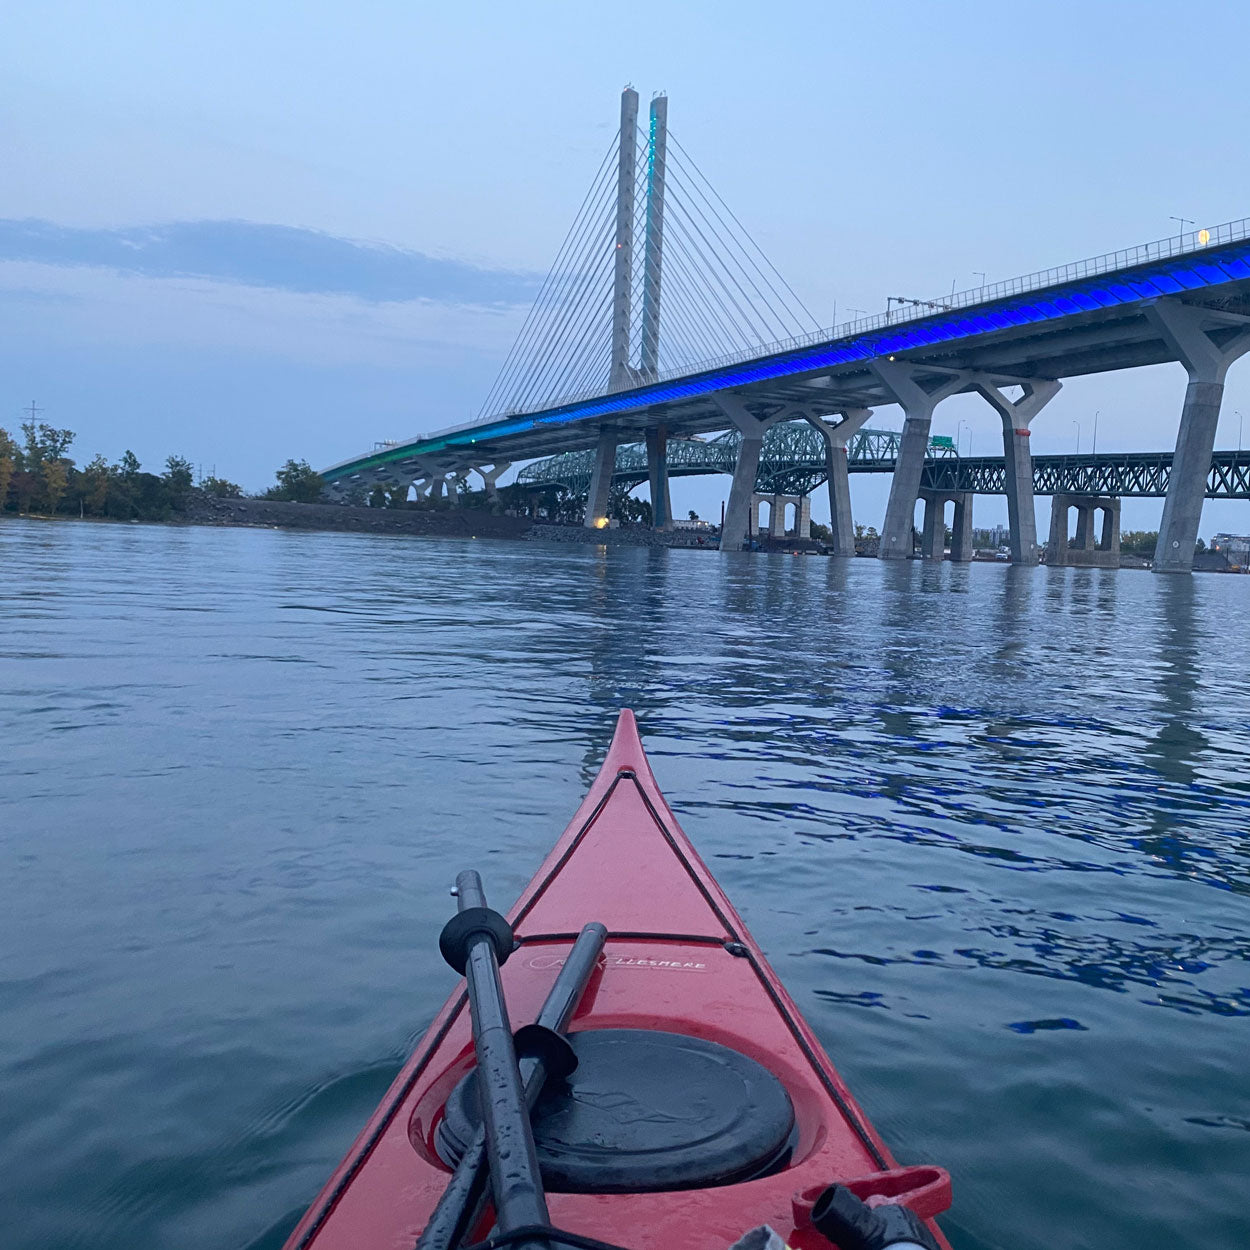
(458,1208)
(514,1176)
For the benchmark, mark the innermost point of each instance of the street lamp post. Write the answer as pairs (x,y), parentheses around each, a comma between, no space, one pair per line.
(1078,436)
(1183,222)
(1095,447)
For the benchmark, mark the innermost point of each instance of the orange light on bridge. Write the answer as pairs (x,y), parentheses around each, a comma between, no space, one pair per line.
(1204,237)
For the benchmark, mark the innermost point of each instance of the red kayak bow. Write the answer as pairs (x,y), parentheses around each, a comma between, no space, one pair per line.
(702,1105)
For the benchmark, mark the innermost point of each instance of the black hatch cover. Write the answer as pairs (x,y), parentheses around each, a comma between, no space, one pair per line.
(645,1111)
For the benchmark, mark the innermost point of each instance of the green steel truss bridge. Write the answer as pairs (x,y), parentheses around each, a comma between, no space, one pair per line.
(793,461)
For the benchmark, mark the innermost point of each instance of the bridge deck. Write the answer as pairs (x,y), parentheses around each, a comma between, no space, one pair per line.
(1084,318)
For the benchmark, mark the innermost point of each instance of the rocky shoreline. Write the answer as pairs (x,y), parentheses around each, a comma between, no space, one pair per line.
(204,509)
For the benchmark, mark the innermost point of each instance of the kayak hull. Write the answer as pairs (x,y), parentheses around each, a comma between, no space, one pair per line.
(677,958)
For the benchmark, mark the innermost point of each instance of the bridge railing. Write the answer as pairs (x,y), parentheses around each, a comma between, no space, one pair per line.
(1091,267)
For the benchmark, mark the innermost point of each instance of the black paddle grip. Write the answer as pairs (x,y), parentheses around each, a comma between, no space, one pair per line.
(465,926)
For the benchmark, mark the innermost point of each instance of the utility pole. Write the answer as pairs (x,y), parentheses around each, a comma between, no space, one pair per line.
(622,276)
(32,410)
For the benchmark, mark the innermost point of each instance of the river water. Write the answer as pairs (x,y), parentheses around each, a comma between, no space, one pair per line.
(988,824)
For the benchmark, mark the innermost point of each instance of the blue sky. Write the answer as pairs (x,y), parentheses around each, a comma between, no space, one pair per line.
(243,232)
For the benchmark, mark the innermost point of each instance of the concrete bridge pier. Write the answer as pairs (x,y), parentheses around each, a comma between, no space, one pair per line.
(933,537)
(777,505)
(837,435)
(1017,415)
(1188,332)
(657,474)
(918,403)
(1092,550)
(746,467)
(601,479)
(490,476)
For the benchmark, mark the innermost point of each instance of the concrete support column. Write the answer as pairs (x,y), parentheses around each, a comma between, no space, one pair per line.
(1111,528)
(1088,551)
(453,489)
(657,472)
(437,486)
(1017,416)
(961,529)
(804,517)
(837,436)
(490,476)
(1187,331)
(933,536)
(746,467)
(918,404)
(601,479)
(1057,547)
(1084,526)
(777,516)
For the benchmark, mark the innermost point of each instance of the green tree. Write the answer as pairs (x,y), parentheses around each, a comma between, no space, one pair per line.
(8,465)
(693,515)
(221,488)
(298,482)
(1139,542)
(178,478)
(55,480)
(128,466)
(179,474)
(624,507)
(46,464)
(95,486)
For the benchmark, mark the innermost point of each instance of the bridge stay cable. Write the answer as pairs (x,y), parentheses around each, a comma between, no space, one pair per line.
(565,299)
(691,286)
(600,189)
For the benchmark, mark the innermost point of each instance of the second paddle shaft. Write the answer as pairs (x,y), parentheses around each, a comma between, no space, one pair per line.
(458,1208)
(514,1176)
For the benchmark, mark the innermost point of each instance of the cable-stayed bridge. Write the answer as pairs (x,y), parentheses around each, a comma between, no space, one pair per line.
(661,320)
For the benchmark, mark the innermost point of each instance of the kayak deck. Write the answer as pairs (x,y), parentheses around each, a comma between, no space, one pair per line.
(677,958)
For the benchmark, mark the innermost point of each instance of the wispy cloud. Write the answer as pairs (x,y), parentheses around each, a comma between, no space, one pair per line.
(278,257)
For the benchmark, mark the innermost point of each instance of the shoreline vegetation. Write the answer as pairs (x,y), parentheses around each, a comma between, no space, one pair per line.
(39,478)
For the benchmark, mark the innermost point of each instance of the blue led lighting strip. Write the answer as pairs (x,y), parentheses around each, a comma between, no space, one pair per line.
(1197,271)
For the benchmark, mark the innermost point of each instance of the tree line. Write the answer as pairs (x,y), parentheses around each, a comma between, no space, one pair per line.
(38,475)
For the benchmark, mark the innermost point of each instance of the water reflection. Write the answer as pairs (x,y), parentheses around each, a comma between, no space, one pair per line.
(989,823)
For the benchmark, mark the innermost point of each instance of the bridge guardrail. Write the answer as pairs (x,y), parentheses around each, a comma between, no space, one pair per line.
(1109,262)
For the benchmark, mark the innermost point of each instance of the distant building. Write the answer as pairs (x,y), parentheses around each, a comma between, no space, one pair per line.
(1232,545)
(696,524)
